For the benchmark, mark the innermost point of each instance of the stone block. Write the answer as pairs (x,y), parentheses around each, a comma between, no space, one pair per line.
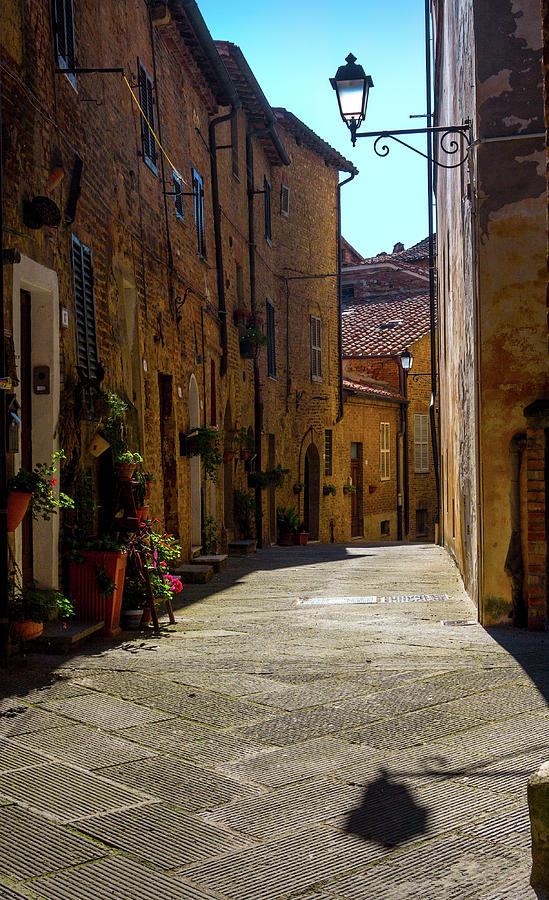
(538,805)
(242,548)
(194,574)
(217,561)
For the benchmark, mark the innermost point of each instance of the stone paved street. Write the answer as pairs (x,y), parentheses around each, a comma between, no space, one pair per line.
(265,749)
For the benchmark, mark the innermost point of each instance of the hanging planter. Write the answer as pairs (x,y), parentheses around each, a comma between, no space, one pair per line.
(241,316)
(18,502)
(251,339)
(298,487)
(349,489)
(329,490)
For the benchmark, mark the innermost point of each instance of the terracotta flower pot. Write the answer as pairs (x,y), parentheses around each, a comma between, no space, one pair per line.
(124,471)
(89,603)
(18,502)
(300,538)
(143,513)
(286,539)
(28,629)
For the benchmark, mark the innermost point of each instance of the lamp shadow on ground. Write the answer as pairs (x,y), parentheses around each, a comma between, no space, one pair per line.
(388,814)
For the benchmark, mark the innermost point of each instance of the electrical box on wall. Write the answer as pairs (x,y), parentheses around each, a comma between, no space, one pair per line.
(41,379)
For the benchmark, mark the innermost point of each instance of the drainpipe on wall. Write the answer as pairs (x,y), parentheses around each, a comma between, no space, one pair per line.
(222,306)
(514,566)
(339,301)
(4,627)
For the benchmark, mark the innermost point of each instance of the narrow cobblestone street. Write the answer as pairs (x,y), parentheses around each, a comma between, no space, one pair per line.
(265,748)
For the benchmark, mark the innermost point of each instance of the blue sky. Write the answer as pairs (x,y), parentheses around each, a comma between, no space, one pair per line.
(295,46)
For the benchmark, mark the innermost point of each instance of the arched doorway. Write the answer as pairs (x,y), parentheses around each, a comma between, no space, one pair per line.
(311,494)
(194,421)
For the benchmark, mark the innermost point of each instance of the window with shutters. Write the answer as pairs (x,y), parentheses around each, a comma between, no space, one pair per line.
(271,344)
(328,451)
(284,200)
(267,199)
(63,28)
(146,101)
(421,443)
(316,348)
(198,192)
(384,451)
(84,311)
(178,192)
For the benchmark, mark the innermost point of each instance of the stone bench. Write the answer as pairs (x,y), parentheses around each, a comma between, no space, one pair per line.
(242,548)
(194,574)
(217,561)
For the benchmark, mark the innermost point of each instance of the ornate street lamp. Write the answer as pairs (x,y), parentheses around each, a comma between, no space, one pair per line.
(352,85)
(406,360)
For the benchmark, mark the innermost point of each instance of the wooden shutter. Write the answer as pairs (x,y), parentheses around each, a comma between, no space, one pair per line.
(84,310)
(384,451)
(64,35)
(198,190)
(316,348)
(421,442)
(178,191)
(147,105)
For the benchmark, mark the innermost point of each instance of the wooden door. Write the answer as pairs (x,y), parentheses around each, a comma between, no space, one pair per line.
(356,530)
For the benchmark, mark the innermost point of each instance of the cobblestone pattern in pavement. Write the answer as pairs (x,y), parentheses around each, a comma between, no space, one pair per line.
(265,750)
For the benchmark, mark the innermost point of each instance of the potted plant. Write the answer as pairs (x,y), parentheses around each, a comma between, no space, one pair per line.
(34,491)
(329,489)
(142,491)
(259,480)
(246,441)
(153,550)
(209,536)
(97,571)
(301,535)
(251,339)
(245,514)
(287,521)
(349,489)
(126,463)
(30,606)
(277,475)
(298,487)
(204,442)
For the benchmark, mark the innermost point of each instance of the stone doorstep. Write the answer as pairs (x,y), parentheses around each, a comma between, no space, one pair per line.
(217,561)
(194,574)
(242,548)
(60,639)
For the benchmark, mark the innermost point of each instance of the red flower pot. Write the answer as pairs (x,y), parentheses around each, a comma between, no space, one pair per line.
(28,629)
(89,603)
(300,538)
(18,502)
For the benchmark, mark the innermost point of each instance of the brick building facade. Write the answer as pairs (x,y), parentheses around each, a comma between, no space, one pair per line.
(385,311)
(161,247)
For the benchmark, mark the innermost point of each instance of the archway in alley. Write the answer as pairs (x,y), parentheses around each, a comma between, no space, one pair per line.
(311,494)
(194,421)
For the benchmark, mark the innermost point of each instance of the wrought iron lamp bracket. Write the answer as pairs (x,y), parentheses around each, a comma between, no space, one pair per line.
(452,139)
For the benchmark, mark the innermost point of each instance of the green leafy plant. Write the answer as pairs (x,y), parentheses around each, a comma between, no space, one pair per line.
(287,519)
(245,514)
(245,439)
(298,487)
(277,475)
(209,449)
(40,483)
(105,584)
(253,335)
(329,489)
(301,528)
(29,602)
(349,489)
(209,535)
(128,457)
(259,480)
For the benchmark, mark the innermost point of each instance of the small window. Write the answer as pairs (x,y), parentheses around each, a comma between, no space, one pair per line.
(328,451)
(354,450)
(234,146)
(178,192)
(87,360)
(267,199)
(271,346)
(284,200)
(385,526)
(384,451)
(63,28)
(347,292)
(146,101)
(316,348)
(198,191)
(421,443)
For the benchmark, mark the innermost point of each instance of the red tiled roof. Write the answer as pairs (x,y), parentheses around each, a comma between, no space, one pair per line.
(376,389)
(384,327)
(417,253)
(306,136)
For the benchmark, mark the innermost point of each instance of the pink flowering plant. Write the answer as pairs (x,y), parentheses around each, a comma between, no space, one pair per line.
(155,549)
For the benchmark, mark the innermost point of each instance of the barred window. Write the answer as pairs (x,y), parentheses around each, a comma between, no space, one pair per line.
(384,451)
(316,348)
(271,345)
(328,451)
(63,29)
(146,101)
(178,191)
(84,311)
(284,200)
(421,442)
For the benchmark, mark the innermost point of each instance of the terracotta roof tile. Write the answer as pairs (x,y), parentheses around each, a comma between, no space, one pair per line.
(371,388)
(385,326)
